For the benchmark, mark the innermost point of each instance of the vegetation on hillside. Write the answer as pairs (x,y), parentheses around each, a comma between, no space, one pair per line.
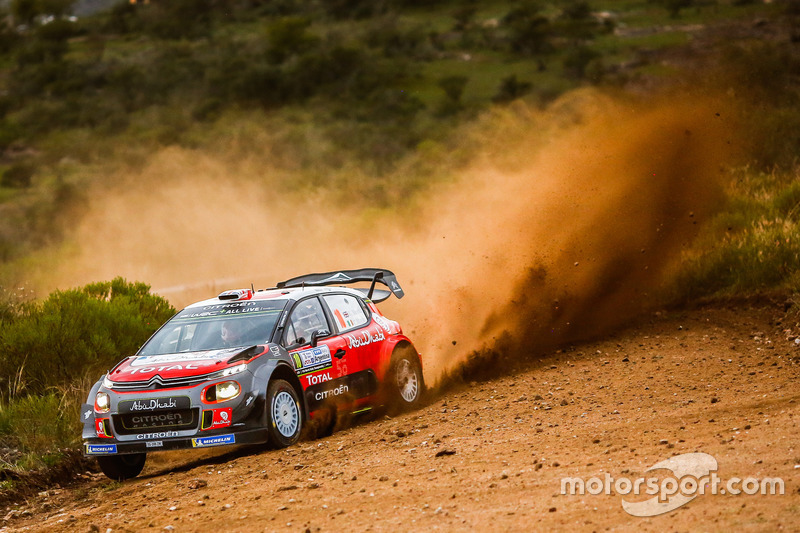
(52,351)
(335,85)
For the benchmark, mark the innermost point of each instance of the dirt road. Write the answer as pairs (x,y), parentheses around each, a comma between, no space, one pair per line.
(490,456)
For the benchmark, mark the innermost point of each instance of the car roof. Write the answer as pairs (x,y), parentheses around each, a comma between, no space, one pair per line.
(293,294)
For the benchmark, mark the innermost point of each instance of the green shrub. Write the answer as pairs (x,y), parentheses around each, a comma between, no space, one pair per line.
(577,61)
(576,21)
(57,30)
(288,36)
(529,32)
(38,426)
(77,332)
(17,176)
(511,88)
(752,245)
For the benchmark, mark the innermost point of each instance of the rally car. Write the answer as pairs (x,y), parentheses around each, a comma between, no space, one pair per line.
(253,367)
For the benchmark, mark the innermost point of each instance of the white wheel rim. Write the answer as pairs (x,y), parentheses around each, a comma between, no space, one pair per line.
(285,414)
(407,380)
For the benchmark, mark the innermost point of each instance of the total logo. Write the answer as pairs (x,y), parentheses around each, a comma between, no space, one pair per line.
(315,379)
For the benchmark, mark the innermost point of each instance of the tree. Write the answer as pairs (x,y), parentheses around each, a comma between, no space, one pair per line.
(529,31)
(511,89)
(25,11)
(288,36)
(453,87)
(576,21)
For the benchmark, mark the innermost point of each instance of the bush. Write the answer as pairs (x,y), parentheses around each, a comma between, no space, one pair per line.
(752,245)
(38,425)
(576,21)
(177,19)
(511,88)
(577,61)
(529,31)
(288,36)
(77,332)
(17,176)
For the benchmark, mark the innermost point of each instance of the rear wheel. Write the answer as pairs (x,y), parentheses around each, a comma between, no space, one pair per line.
(404,381)
(122,467)
(284,414)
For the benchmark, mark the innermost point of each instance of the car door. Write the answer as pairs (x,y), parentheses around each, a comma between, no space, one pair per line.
(319,356)
(362,339)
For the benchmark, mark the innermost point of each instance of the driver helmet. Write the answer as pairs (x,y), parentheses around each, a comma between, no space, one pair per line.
(232,332)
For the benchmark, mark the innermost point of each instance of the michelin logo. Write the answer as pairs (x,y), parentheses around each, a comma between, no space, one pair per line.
(100,449)
(213,441)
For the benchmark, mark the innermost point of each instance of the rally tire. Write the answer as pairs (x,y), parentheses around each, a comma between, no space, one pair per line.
(404,382)
(122,467)
(284,414)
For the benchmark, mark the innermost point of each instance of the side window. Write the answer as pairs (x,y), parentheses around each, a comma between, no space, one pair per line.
(306,318)
(347,312)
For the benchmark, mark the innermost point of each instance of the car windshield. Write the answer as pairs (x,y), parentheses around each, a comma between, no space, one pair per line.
(216,326)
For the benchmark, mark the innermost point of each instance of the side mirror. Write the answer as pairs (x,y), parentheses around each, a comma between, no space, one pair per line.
(319,334)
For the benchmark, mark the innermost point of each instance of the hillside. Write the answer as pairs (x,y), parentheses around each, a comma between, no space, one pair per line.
(538,173)
(491,454)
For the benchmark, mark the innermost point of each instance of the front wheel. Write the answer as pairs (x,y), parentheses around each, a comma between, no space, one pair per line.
(122,467)
(284,414)
(404,381)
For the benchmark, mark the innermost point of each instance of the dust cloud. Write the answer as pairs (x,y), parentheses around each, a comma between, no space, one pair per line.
(567,222)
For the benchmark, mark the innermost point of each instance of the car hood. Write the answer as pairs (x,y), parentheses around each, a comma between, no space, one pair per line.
(174,365)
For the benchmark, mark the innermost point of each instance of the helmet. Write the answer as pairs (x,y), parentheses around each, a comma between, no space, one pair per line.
(232,332)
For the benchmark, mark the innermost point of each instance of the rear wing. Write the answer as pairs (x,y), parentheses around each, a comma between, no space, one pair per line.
(345,277)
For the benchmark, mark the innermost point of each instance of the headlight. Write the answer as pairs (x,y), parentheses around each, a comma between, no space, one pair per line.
(227,390)
(234,370)
(107,383)
(102,402)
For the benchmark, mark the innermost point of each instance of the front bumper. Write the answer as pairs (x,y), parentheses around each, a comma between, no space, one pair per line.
(100,447)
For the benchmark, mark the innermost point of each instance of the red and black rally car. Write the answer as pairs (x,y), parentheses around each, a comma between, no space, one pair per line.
(252,367)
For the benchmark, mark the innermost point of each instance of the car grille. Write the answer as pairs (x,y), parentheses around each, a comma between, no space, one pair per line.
(175,419)
(157,382)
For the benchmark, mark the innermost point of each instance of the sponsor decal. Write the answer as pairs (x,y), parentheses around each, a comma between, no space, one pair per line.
(356,385)
(221,418)
(382,322)
(157,435)
(228,309)
(364,338)
(154,404)
(249,400)
(161,360)
(314,379)
(87,414)
(312,359)
(325,394)
(336,277)
(101,427)
(220,440)
(100,449)
(151,369)
(154,444)
(343,318)
(275,350)
(162,419)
